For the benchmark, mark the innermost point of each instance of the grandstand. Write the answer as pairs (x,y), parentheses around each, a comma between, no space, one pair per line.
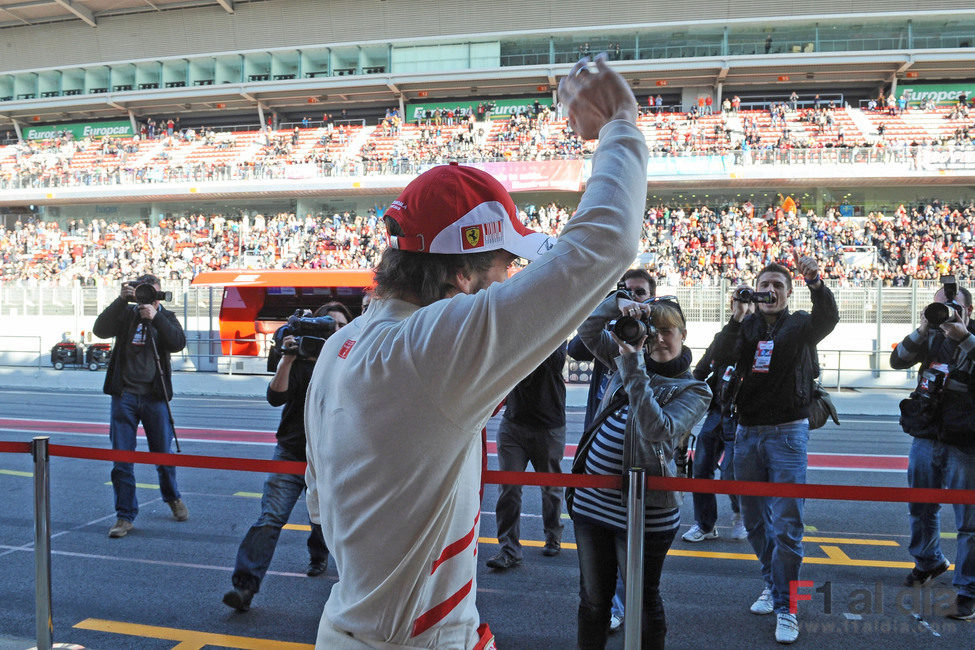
(294,107)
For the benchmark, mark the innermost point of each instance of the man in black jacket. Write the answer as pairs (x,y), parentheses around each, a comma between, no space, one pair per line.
(532,430)
(641,286)
(773,352)
(939,416)
(281,491)
(140,389)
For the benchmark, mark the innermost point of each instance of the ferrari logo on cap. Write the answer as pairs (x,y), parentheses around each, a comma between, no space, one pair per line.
(473,237)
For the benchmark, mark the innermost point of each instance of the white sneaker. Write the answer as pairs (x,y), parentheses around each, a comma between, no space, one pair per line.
(786,628)
(615,623)
(764,603)
(695,534)
(738,527)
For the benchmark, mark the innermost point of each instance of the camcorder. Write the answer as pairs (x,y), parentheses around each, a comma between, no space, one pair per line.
(938,313)
(309,332)
(146,294)
(748,295)
(630,330)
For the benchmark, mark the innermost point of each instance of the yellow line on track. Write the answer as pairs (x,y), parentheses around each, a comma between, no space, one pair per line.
(188,639)
(256,495)
(834,555)
(850,540)
(13,472)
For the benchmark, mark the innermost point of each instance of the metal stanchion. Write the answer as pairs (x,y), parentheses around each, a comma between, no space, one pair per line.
(42,543)
(635,511)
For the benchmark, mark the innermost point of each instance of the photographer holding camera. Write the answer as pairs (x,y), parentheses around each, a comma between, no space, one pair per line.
(281,491)
(139,379)
(939,415)
(773,352)
(650,404)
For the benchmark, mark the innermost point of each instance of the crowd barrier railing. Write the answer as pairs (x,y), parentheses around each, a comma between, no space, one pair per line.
(42,451)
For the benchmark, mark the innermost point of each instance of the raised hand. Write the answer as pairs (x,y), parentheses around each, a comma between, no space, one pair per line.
(592,99)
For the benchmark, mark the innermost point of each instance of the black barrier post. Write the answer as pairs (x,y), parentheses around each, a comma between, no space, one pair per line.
(42,543)
(635,511)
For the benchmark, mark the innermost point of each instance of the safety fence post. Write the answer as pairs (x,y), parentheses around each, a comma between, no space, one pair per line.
(42,543)
(635,512)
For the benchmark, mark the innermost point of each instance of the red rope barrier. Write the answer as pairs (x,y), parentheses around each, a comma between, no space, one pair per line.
(747,488)
(14,447)
(180,460)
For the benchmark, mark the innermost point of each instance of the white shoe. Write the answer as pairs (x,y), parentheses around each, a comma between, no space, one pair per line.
(738,527)
(695,534)
(615,623)
(786,628)
(764,603)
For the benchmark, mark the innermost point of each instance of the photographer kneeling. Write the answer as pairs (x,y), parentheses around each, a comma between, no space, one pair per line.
(296,350)
(650,404)
(939,415)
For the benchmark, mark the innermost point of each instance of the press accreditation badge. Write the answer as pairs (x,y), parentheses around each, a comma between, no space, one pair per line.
(763,356)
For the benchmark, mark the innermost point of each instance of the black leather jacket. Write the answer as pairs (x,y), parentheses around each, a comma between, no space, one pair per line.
(116,321)
(784,392)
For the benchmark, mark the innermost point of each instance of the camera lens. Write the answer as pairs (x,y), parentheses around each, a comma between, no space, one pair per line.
(630,330)
(937,313)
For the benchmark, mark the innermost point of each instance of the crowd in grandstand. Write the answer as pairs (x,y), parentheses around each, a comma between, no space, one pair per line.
(683,245)
(169,153)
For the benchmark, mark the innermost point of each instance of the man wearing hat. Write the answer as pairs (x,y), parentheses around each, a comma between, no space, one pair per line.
(399,396)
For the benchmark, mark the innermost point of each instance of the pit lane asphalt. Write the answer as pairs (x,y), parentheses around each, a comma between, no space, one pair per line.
(170,576)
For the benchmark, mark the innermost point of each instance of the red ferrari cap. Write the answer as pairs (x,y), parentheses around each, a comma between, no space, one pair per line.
(453,209)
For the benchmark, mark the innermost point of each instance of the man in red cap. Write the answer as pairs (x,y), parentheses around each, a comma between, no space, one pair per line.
(399,396)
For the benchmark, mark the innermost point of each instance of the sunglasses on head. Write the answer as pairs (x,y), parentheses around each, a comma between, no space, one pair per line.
(668,300)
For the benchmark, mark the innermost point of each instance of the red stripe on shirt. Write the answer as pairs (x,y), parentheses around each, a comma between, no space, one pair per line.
(436,614)
(456,547)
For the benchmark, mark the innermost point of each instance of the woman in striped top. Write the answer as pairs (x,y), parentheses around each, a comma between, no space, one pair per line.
(653,403)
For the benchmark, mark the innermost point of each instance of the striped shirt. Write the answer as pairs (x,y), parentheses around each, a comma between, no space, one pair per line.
(604,507)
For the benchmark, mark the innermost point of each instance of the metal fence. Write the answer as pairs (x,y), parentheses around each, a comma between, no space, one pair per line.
(871,303)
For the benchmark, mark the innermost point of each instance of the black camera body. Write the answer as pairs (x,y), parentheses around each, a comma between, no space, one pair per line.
(146,294)
(748,295)
(630,330)
(938,313)
(310,334)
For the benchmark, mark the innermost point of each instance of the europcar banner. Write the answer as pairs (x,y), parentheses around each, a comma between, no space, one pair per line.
(503,108)
(121,129)
(942,94)
(528,176)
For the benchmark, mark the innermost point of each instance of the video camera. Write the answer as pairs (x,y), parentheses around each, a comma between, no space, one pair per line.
(748,295)
(146,294)
(310,334)
(938,313)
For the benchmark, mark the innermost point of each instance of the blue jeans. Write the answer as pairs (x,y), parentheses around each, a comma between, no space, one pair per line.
(776,454)
(933,464)
(281,492)
(602,553)
(618,607)
(127,411)
(707,451)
